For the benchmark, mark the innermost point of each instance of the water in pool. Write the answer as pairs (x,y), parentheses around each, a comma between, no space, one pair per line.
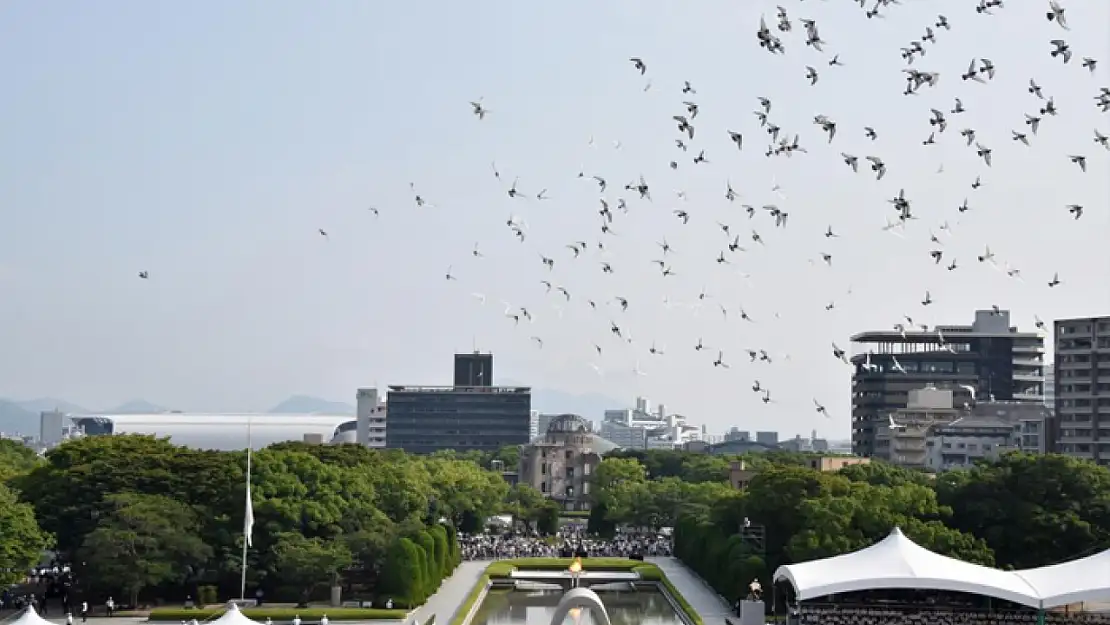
(536,607)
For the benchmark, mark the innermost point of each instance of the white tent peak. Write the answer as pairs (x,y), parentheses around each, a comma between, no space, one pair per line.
(232,616)
(29,617)
(898,562)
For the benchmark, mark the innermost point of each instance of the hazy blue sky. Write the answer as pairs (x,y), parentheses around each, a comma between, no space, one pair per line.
(208,142)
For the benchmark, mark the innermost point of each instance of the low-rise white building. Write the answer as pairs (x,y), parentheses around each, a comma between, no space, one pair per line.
(641,428)
(370,417)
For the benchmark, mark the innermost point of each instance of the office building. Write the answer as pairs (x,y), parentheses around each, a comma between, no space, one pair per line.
(988,359)
(736,434)
(543,420)
(1082,411)
(53,428)
(767,438)
(370,418)
(479,417)
(561,463)
(643,428)
(813,444)
(474,369)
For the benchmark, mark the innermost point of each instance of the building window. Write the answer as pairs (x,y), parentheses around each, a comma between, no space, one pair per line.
(543,469)
(543,487)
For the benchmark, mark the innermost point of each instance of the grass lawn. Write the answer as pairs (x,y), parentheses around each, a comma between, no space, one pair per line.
(177,615)
(503,568)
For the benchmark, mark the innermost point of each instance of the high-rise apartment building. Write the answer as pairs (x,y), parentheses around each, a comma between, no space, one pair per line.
(1050,386)
(988,360)
(1082,422)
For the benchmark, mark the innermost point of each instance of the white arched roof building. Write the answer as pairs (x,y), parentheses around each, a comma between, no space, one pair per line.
(898,562)
(222,431)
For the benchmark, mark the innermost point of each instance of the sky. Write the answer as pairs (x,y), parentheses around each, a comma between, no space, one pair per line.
(208,143)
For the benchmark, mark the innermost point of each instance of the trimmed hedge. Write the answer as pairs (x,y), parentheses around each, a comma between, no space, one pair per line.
(178,615)
(503,568)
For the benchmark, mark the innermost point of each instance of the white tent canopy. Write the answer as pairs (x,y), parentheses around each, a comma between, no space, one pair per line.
(233,617)
(898,562)
(29,617)
(1086,579)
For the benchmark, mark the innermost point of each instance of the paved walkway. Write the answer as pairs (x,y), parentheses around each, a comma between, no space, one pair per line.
(705,601)
(451,593)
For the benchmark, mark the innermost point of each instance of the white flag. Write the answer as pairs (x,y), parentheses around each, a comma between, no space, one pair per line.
(248,518)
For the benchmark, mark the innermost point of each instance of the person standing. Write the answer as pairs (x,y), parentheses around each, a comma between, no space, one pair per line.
(110,607)
(84,611)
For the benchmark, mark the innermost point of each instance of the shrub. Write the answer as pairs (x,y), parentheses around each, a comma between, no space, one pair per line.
(208,595)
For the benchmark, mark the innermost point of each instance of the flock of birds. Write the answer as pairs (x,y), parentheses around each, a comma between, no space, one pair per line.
(777,36)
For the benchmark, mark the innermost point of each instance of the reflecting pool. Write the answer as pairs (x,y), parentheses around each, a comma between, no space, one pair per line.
(536,607)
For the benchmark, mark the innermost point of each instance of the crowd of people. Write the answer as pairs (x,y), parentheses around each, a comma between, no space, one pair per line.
(568,542)
(939,616)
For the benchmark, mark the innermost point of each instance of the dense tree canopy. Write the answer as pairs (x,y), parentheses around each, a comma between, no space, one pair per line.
(141,516)
(320,513)
(16,459)
(1020,511)
(21,540)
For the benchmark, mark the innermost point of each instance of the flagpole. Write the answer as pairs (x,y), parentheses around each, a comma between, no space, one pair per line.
(248,520)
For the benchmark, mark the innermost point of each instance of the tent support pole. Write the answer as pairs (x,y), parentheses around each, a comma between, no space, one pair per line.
(774,599)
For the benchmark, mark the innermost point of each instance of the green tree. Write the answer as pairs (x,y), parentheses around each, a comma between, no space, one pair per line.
(547,518)
(885,474)
(441,550)
(611,475)
(22,542)
(309,563)
(141,541)
(432,574)
(463,488)
(1032,510)
(368,548)
(402,576)
(509,456)
(705,468)
(525,504)
(69,491)
(16,459)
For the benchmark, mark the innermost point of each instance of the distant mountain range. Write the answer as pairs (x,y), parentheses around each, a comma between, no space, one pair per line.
(303,404)
(22,417)
(591,406)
